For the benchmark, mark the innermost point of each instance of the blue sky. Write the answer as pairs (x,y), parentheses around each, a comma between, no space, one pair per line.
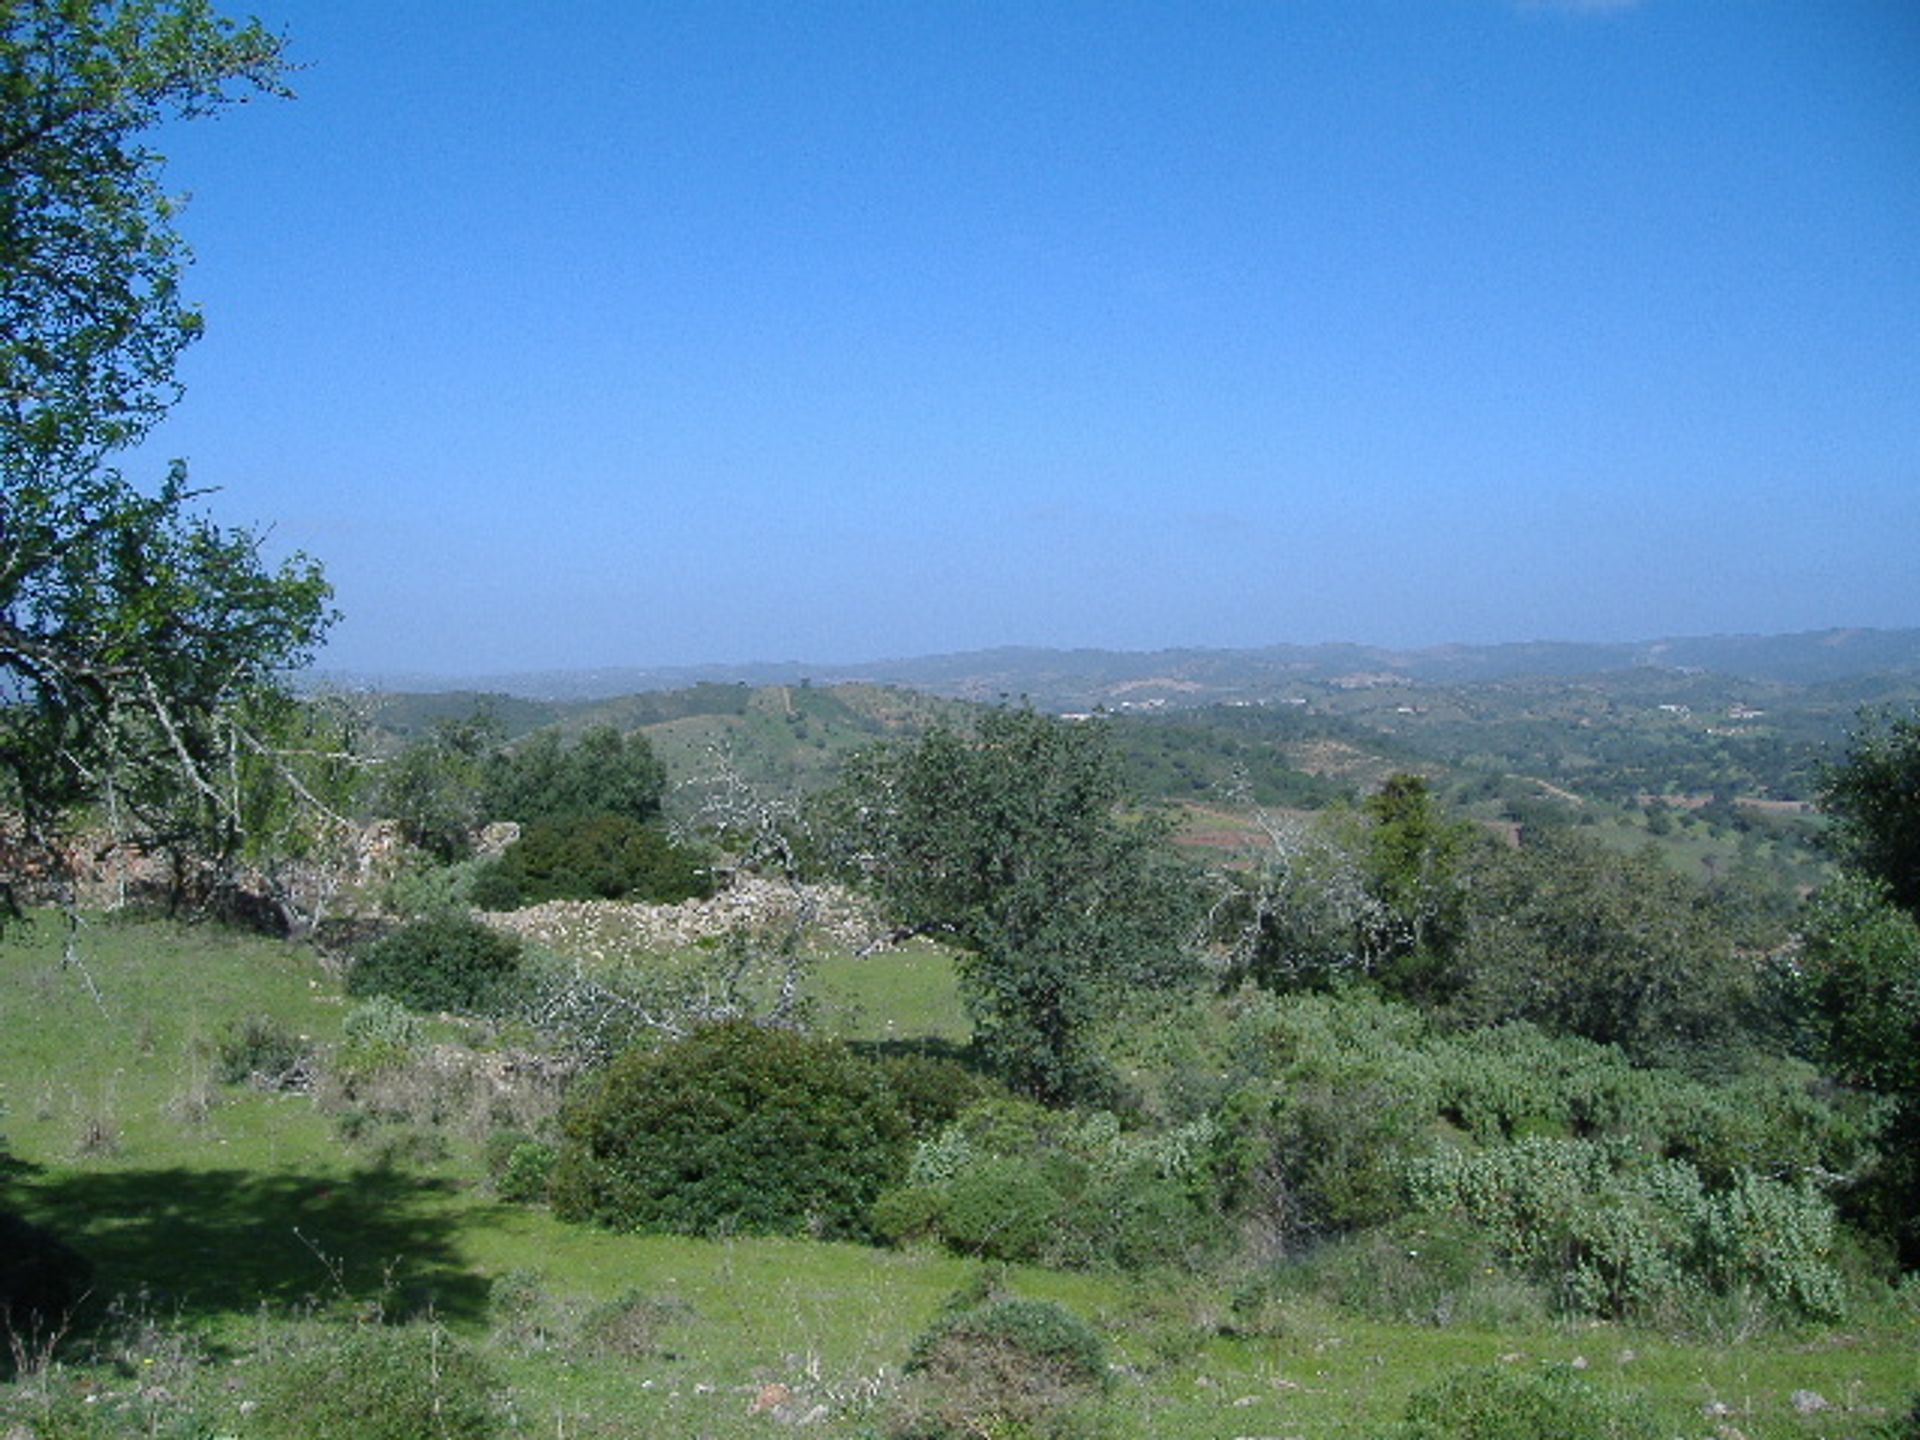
(608,332)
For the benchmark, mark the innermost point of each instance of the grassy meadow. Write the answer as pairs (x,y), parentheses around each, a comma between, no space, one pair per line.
(229,1226)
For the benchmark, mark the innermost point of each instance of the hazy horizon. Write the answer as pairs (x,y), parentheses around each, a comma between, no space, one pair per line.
(605,335)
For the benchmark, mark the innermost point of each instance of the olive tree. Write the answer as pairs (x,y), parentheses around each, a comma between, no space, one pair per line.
(1015,841)
(136,634)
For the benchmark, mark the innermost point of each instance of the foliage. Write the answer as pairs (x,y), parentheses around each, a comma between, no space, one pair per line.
(431,789)
(1501,1403)
(520,1166)
(1622,1237)
(598,857)
(1003,1366)
(1860,983)
(933,1090)
(1412,856)
(259,1050)
(1010,841)
(132,630)
(733,1129)
(543,779)
(444,962)
(1010,1180)
(411,1382)
(379,1033)
(1616,948)
(1873,794)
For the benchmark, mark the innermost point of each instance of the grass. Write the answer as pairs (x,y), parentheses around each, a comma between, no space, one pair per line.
(232,1221)
(907,993)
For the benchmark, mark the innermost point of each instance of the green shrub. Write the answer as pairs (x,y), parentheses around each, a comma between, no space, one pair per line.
(1627,1237)
(934,1090)
(445,962)
(1005,1366)
(1011,1180)
(259,1050)
(381,1383)
(734,1128)
(909,1213)
(520,1166)
(377,1034)
(1137,1219)
(599,857)
(1004,1208)
(1495,1403)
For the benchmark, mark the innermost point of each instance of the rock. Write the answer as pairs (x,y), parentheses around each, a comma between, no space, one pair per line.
(1810,1402)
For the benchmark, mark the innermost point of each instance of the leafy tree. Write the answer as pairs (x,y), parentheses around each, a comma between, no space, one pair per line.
(432,789)
(132,630)
(1873,795)
(1012,842)
(601,773)
(1617,948)
(1412,857)
(1860,966)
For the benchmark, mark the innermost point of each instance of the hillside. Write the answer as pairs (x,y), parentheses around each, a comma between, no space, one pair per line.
(1089,678)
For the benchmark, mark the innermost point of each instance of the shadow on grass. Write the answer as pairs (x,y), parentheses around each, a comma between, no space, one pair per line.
(206,1242)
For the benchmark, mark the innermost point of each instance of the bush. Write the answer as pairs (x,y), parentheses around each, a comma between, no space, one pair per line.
(1004,1366)
(377,1034)
(600,857)
(1493,1403)
(934,1090)
(259,1050)
(1627,1238)
(1012,1180)
(519,1165)
(734,1128)
(1004,1209)
(445,962)
(381,1383)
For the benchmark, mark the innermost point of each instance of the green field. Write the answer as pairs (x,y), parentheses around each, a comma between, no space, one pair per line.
(229,1226)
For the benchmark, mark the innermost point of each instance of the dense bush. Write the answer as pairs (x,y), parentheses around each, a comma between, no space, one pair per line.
(381,1383)
(259,1050)
(600,857)
(734,1128)
(1011,1180)
(519,1165)
(934,1090)
(1497,1403)
(543,779)
(1624,1236)
(1003,1366)
(377,1034)
(444,962)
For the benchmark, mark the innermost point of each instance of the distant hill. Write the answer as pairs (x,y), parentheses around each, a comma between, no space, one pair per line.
(1163,679)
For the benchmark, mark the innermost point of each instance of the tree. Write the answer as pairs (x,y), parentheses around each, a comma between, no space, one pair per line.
(1412,856)
(1861,954)
(1012,842)
(1617,948)
(601,773)
(133,630)
(432,789)
(1873,795)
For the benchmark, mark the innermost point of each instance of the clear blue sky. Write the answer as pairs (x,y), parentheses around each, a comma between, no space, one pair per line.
(604,332)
